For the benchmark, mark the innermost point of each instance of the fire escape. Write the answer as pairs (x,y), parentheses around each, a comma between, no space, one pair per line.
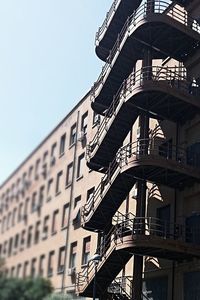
(132,31)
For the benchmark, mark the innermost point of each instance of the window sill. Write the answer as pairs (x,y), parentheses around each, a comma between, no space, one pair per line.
(50,274)
(68,185)
(58,193)
(83,266)
(54,233)
(49,199)
(72,145)
(62,154)
(79,178)
(64,227)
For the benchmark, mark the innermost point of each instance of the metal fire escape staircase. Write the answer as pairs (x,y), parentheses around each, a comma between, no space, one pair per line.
(166,31)
(131,235)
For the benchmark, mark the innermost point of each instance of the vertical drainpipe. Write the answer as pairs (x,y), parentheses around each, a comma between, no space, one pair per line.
(175,208)
(70,206)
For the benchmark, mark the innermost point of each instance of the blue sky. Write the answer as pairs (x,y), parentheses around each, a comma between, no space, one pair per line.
(47,64)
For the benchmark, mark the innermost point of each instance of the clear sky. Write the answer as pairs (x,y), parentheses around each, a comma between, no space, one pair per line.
(47,64)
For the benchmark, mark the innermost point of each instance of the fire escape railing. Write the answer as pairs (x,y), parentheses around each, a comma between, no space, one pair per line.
(107,19)
(129,225)
(175,77)
(160,7)
(136,150)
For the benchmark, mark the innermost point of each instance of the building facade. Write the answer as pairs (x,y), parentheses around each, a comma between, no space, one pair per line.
(119,177)
(146,207)
(41,233)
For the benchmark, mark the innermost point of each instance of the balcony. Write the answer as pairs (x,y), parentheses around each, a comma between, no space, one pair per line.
(141,236)
(163,92)
(112,25)
(155,160)
(168,31)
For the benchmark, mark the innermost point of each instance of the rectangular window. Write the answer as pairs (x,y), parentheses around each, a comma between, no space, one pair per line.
(33,268)
(96,119)
(25,272)
(12,272)
(65,217)
(69,174)
(77,201)
(10,246)
(29,237)
(73,135)
(84,122)
(49,189)
(55,222)
(80,166)
(41,265)
(37,165)
(37,232)
(41,196)
(20,212)
(16,242)
(58,182)
(61,259)
(34,202)
(45,228)
(53,155)
(22,242)
(62,144)
(51,263)
(19,268)
(86,250)
(26,207)
(73,254)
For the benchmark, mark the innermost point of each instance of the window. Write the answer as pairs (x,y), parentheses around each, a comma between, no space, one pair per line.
(33,268)
(37,232)
(49,189)
(29,237)
(73,135)
(37,165)
(9,220)
(65,217)
(86,250)
(30,173)
(53,155)
(80,166)
(90,193)
(16,244)
(25,271)
(69,174)
(26,208)
(14,216)
(61,259)
(62,144)
(34,202)
(96,119)
(77,201)
(10,246)
(51,263)
(20,214)
(22,242)
(73,254)
(41,265)
(84,121)
(41,196)
(12,272)
(45,228)
(5,244)
(55,222)
(19,268)
(58,183)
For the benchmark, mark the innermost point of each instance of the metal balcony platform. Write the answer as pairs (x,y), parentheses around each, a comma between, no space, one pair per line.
(112,25)
(141,236)
(163,92)
(166,31)
(148,159)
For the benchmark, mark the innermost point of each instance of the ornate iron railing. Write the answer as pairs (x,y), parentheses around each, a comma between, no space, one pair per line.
(154,7)
(129,225)
(175,77)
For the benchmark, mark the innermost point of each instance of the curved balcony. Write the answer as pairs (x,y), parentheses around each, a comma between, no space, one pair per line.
(112,25)
(164,92)
(167,31)
(150,159)
(141,236)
